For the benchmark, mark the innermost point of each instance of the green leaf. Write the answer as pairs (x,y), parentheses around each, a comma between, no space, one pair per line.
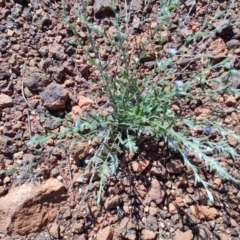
(199,34)
(137,109)
(219,14)
(10,170)
(188,39)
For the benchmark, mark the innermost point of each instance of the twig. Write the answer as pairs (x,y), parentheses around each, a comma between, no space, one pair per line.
(29,125)
(28,116)
(69,165)
(24,97)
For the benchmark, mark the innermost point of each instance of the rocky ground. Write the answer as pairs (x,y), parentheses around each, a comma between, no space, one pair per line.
(153,196)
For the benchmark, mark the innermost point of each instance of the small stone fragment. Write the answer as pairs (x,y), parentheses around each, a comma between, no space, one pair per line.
(172,207)
(232,140)
(54,172)
(57,51)
(4,73)
(83,101)
(233,44)
(230,101)
(136,5)
(57,73)
(78,228)
(105,234)
(112,202)
(37,81)
(148,235)
(175,166)
(54,97)
(40,18)
(140,166)
(102,8)
(44,50)
(179,235)
(157,191)
(159,170)
(186,32)
(79,151)
(204,212)
(5,101)
(67,213)
(6,180)
(54,230)
(220,49)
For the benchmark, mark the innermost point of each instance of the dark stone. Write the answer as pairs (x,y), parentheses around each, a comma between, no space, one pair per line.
(36,82)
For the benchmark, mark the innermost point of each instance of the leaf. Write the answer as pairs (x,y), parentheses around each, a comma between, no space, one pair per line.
(188,39)
(10,170)
(199,34)
(154,108)
(219,14)
(137,109)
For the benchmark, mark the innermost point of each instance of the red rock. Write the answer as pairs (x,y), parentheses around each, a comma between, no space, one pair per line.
(157,191)
(112,202)
(175,166)
(54,97)
(76,110)
(204,212)
(233,222)
(172,207)
(202,112)
(220,49)
(224,236)
(188,235)
(6,180)
(54,230)
(83,101)
(78,228)
(148,235)
(29,208)
(105,234)
(57,51)
(5,101)
(140,166)
(232,140)
(79,151)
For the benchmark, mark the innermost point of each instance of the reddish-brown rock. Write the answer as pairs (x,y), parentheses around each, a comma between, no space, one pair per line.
(29,208)
(79,151)
(105,234)
(54,97)
(188,235)
(5,101)
(204,212)
(232,140)
(157,191)
(140,166)
(148,234)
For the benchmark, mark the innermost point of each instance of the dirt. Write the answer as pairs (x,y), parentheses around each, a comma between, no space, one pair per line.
(153,195)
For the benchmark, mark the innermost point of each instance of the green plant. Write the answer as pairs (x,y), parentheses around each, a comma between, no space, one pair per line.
(142,108)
